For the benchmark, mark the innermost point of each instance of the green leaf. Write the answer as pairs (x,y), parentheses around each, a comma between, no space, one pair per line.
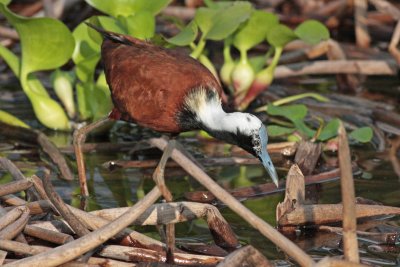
(363,134)
(204,18)
(280,35)
(11,59)
(46,43)
(303,128)
(255,30)
(83,98)
(330,130)
(85,46)
(186,36)
(257,62)
(228,20)
(291,112)
(141,25)
(312,31)
(128,7)
(276,130)
(12,120)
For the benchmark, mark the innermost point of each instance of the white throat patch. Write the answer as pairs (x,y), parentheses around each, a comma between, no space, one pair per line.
(209,112)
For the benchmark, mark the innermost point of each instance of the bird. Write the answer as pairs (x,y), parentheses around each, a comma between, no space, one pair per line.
(170,92)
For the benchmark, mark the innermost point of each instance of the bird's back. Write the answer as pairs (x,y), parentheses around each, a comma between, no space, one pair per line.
(149,83)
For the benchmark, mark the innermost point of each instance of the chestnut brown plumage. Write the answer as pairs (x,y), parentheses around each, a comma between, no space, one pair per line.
(170,92)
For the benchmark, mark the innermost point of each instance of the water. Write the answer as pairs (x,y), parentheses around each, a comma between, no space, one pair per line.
(124,187)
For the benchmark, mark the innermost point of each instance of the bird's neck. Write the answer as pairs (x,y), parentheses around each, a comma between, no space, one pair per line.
(203,108)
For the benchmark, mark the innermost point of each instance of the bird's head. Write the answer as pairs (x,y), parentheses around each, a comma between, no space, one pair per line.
(202,109)
(251,135)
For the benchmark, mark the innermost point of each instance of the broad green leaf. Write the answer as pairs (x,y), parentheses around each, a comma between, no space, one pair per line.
(303,128)
(85,46)
(49,112)
(255,31)
(63,87)
(86,68)
(228,20)
(363,134)
(46,43)
(83,98)
(291,112)
(11,119)
(330,130)
(312,31)
(276,130)
(204,18)
(186,36)
(280,35)
(5,2)
(142,25)
(128,7)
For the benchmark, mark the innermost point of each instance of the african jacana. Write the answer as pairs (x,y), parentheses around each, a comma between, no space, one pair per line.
(169,92)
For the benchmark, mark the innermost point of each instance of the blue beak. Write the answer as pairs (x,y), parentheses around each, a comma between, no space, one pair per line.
(265,158)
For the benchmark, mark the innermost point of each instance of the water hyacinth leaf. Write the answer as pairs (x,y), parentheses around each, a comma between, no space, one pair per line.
(330,130)
(312,32)
(49,112)
(186,36)
(362,135)
(107,23)
(291,112)
(142,25)
(11,59)
(126,8)
(257,62)
(12,120)
(85,69)
(63,86)
(255,30)
(83,99)
(228,20)
(204,18)
(85,46)
(303,128)
(280,35)
(38,54)
(276,130)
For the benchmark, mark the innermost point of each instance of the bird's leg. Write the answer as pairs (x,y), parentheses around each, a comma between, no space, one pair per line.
(79,140)
(158,177)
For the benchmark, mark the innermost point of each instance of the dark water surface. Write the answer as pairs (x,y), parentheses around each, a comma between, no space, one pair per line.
(124,187)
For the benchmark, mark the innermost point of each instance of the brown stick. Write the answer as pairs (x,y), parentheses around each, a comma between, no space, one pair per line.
(285,244)
(360,15)
(138,254)
(331,213)
(14,187)
(245,256)
(365,67)
(3,255)
(179,212)
(90,241)
(36,207)
(21,248)
(350,243)
(11,216)
(128,236)
(47,235)
(17,175)
(55,155)
(330,262)
(15,228)
(62,208)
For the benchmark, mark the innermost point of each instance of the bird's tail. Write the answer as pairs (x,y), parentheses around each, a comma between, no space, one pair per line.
(115,37)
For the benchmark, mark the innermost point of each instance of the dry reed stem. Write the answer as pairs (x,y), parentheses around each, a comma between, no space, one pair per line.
(3,255)
(363,39)
(14,187)
(21,248)
(47,235)
(331,262)
(267,230)
(11,216)
(245,256)
(350,243)
(15,228)
(176,212)
(90,241)
(365,67)
(145,255)
(62,208)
